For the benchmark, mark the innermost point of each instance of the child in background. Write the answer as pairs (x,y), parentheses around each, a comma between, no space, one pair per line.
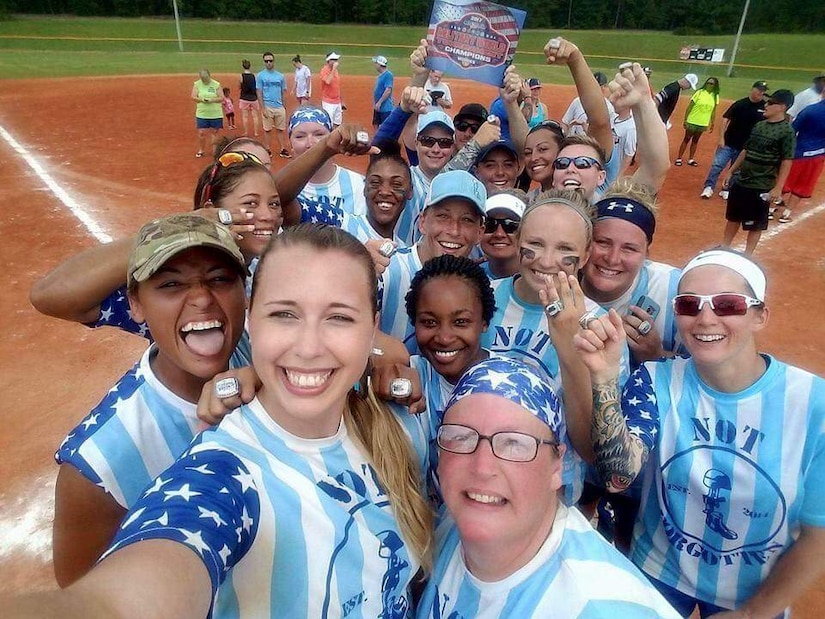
(228,109)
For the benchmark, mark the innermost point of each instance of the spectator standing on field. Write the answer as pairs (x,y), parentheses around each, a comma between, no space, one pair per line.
(439,91)
(700,116)
(737,122)
(331,89)
(271,86)
(533,104)
(382,103)
(807,97)
(809,158)
(248,100)
(624,128)
(228,108)
(667,98)
(763,167)
(574,120)
(303,81)
(206,92)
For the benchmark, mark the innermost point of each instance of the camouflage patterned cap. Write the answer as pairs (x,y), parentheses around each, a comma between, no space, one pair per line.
(162,239)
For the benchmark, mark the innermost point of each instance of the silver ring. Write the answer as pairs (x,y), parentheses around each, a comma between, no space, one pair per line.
(387,249)
(586,318)
(224,216)
(492,118)
(625,65)
(362,137)
(644,327)
(401,387)
(554,43)
(377,352)
(227,388)
(554,308)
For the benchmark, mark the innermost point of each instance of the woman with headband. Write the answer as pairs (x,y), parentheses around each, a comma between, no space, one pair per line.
(506,546)
(729,443)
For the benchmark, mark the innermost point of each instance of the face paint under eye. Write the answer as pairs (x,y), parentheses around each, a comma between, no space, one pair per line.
(526,253)
(570,261)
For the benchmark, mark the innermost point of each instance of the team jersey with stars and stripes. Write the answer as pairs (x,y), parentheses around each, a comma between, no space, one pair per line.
(359,227)
(136,431)
(286,526)
(326,203)
(406,228)
(731,477)
(393,286)
(575,574)
(519,330)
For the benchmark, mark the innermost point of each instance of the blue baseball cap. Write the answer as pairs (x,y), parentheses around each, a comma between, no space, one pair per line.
(457,184)
(435,117)
(500,144)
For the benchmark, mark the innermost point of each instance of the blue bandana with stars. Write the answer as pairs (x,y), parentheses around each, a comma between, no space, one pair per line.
(630,210)
(514,381)
(309,114)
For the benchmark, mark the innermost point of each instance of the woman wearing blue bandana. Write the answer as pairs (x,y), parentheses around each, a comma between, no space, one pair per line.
(507,547)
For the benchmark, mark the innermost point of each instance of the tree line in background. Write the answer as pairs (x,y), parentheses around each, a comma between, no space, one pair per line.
(680,16)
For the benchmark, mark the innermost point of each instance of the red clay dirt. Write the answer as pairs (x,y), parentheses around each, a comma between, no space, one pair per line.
(124,149)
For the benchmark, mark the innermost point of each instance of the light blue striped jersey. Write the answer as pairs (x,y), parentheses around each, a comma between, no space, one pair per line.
(359,227)
(287,527)
(731,476)
(575,574)
(393,286)
(327,202)
(136,431)
(659,282)
(519,330)
(612,168)
(407,226)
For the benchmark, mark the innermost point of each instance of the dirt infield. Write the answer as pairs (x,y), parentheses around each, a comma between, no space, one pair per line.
(124,148)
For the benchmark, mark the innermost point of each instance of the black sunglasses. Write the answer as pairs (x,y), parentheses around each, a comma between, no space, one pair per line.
(428,141)
(463,125)
(269,60)
(491,224)
(581,163)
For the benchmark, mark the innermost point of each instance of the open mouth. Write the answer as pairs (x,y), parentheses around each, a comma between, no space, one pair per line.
(486,499)
(385,206)
(708,337)
(205,338)
(450,246)
(307,380)
(263,234)
(608,272)
(572,183)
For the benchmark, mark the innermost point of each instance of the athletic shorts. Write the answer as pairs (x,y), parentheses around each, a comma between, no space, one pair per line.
(243,104)
(335,112)
(747,207)
(274,117)
(803,176)
(209,123)
(695,128)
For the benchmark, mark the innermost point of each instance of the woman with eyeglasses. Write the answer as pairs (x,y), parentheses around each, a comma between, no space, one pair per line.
(700,116)
(729,443)
(506,546)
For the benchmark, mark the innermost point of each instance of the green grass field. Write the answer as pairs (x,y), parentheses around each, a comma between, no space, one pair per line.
(52,47)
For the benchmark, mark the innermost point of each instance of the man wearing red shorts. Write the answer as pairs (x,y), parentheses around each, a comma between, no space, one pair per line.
(809,157)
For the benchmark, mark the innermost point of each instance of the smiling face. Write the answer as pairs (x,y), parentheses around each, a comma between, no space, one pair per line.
(431,159)
(552,238)
(387,189)
(256,192)
(499,245)
(498,170)
(194,307)
(617,255)
(307,135)
(540,150)
(719,343)
(312,331)
(587,180)
(449,324)
(497,504)
(453,226)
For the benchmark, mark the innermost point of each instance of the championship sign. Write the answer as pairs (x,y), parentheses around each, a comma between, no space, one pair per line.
(472,39)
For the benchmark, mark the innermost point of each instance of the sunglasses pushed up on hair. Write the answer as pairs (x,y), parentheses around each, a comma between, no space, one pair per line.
(581,163)
(224,161)
(724,304)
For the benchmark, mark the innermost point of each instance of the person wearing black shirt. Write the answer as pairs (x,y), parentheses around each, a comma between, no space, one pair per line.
(667,98)
(738,121)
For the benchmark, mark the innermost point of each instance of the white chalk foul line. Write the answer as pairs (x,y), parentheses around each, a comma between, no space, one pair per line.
(778,228)
(78,211)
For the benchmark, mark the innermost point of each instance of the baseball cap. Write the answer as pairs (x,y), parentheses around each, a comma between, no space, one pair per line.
(162,239)
(785,97)
(819,78)
(763,86)
(474,111)
(505,202)
(534,82)
(435,117)
(333,56)
(503,144)
(692,79)
(380,60)
(457,184)
(647,70)
(601,78)
(747,268)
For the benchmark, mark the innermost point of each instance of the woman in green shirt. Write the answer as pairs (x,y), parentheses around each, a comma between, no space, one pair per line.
(700,116)
(206,92)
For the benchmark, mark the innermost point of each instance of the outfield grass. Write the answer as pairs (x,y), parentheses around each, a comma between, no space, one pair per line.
(50,47)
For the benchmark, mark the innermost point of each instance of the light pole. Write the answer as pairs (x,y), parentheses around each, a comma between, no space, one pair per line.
(569,13)
(738,36)
(177,24)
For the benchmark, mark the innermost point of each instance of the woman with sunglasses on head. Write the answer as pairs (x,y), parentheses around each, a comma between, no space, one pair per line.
(506,546)
(305,502)
(700,116)
(730,445)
